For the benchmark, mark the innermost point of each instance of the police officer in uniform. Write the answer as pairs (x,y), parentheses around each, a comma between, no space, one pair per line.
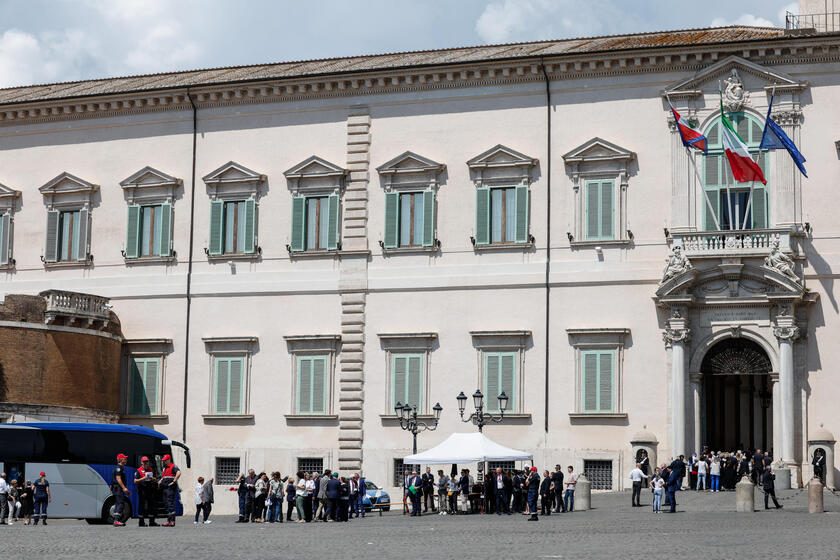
(119,490)
(144,481)
(169,484)
(533,485)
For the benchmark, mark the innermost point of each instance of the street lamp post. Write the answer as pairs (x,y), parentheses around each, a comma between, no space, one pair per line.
(479,417)
(408,420)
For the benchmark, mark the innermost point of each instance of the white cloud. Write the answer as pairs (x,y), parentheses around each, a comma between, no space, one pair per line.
(531,20)
(743,19)
(52,56)
(161,48)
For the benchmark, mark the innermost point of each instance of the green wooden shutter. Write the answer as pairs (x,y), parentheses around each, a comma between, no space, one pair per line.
(759,208)
(392,220)
(165,229)
(712,168)
(5,237)
(217,221)
(607,210)
(415,382)
(319,385)
(522,214)
(51,247)
(304,386)
(592,217)
(298,223)
(715,210)
(428,218)
(250,225)
(335,217)
(482,216)
(84,235)
(136,405)
(222,385)
(400,370)
(507,376)
(132,241)
(150,385)
(492,367)
(590,381)
(605,382)
(237,388)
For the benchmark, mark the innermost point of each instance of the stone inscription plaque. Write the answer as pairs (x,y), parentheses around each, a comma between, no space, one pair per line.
(729,315)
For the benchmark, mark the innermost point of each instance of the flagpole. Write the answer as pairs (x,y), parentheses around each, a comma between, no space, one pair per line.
(705,194)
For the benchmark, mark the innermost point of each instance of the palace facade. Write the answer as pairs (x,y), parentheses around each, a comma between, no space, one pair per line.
(293,248)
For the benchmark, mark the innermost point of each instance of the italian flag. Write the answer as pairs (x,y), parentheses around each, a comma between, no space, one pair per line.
(744,169)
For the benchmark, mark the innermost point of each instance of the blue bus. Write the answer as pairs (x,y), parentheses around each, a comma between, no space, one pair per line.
(79,459)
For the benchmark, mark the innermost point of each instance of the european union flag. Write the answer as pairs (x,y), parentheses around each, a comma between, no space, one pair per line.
(775,138)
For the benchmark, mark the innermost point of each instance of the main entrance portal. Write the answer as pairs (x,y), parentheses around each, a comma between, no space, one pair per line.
(737,405)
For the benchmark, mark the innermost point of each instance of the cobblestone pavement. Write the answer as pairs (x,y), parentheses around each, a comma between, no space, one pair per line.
(706,524)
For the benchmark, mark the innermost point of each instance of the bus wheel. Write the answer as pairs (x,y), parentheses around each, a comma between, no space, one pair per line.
(108,511)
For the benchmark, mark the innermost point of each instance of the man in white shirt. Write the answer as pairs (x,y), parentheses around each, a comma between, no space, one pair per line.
(637,476)
(4,499)
(570,481)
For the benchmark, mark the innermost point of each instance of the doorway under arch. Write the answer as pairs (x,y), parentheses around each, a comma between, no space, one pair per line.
(737,400)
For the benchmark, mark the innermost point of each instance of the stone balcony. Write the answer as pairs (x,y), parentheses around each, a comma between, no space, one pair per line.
(72,308)
(732,243)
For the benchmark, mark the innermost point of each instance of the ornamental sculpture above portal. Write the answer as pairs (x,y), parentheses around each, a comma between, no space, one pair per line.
(734,96)
(780,262)
(677,264)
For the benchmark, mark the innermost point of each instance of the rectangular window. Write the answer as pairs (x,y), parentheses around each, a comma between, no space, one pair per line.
(317,222)
(599,210)
(69,228)
(150,230)
(145,386)
(312,382)
(234,233)
(499,377)
(502,215)
(506,466)
(399,471)
(227,470)
(599,474)
(598,381)
(5,238)
(407,380)
(310,464)
(411,219)
(229,385)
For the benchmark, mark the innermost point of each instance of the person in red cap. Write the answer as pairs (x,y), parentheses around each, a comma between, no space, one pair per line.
(119,490)
(169,484)
(41,490)
(533,485)
(146,484)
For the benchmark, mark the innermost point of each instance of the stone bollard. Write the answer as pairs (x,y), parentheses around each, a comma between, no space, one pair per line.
(745,495)
(583,494)
(815,496)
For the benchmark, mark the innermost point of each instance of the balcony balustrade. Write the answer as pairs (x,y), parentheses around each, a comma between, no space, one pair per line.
(73,307)
(732,243)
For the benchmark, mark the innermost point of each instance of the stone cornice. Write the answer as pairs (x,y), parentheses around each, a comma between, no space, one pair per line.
(773,52)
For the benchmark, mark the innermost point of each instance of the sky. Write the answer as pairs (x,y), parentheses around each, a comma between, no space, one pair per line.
(44,41)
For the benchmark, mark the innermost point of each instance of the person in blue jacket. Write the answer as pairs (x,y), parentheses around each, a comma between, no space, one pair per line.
(533,485)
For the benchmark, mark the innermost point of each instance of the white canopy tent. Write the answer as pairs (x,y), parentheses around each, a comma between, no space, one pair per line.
(467,448)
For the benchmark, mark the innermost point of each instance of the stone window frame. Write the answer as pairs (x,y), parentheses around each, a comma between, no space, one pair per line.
(9,202)
(233,182)
(220,453)
(512,169)
(317,177)
(151,187)
(586,339)
(230,346)
(421,174)
(514,341)
(68,193)
(313,345)
(145,348)
(598,159)
(408,343)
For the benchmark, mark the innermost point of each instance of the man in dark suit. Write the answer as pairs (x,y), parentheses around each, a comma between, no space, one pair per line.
(533,486)
(678,466)
(517,484)
(671,487)
(415,489)
(489,494)
(757,466)
(500,482)
(545,494)
(428,489)
(557,481)
(464,486)
(334,497)
(770,489)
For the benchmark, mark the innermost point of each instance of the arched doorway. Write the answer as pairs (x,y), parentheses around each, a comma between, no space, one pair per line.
(737,403)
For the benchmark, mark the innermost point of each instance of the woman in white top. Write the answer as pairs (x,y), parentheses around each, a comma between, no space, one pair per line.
(300,494)
(714,472)
(307,499)
(657,483)
(199,498)
(701,473)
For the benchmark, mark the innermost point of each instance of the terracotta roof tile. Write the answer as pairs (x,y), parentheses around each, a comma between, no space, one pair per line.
(385,61)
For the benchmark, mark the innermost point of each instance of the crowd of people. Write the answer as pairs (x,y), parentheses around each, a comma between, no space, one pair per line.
(26,501)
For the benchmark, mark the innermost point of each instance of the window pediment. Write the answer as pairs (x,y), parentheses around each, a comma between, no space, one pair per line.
(409,170)
(710,76)
(233,180)
(598,150)
(8,198)
(150,184)
(501,164)
(68,190)
(315,174)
